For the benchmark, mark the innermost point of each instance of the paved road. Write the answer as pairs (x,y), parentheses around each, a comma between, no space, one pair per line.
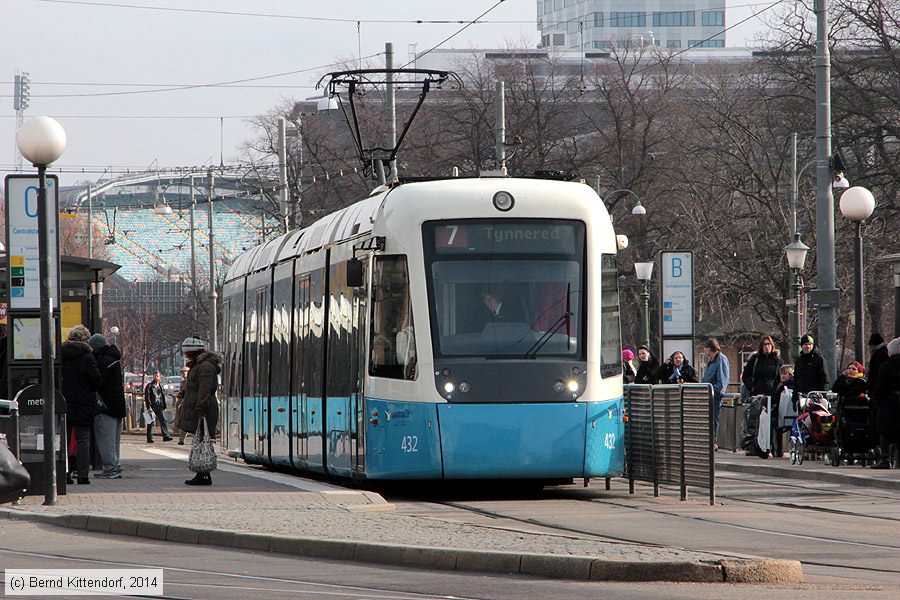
(844,532)
(192,571)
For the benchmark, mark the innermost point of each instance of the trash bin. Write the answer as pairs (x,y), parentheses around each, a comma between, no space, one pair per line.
(730,419)
(32,439)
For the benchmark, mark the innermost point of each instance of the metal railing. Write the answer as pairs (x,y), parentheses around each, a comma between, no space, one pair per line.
(668,437)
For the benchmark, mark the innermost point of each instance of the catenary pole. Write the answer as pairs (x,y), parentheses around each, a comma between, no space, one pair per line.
(825,277)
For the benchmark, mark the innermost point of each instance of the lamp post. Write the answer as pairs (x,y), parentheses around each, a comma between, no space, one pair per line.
(644,271)
(638,209)
(41,141)
(114,331)
(796,257)
(212,268)
(857,204)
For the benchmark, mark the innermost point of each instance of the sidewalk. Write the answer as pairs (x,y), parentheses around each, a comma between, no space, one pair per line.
(810,470)
(250,508)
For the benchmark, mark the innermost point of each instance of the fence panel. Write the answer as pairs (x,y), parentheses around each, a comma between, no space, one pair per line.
(669,436)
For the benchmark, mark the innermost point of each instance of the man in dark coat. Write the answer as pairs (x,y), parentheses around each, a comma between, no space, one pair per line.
(80,379)
(886,395)
(879,357)
(108,421)
(200,402)
(809,369)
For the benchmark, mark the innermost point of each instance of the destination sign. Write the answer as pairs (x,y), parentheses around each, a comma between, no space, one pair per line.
(507,237)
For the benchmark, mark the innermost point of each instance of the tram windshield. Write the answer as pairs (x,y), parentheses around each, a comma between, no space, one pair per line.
(506,288)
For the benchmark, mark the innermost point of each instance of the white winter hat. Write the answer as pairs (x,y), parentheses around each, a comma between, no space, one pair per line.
(893,347)
(192,344)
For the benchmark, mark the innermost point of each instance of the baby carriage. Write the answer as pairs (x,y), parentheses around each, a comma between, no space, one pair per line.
(813,430)
(853,432)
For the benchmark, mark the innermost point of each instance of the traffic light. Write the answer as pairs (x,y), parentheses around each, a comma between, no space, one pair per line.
(22,92)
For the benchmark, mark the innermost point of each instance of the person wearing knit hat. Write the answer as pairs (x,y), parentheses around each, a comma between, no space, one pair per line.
(809,368)
(893,347)
(628,370)
(108,421)
(886,397)
(80,379)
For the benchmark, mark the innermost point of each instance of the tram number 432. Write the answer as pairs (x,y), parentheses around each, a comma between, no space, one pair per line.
(610,441)
(409,443)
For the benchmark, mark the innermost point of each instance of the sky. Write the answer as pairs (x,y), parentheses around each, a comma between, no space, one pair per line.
(132,81)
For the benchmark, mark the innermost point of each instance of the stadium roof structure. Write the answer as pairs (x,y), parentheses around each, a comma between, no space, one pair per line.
(152,244)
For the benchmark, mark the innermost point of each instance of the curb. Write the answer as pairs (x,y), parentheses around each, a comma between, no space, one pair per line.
(552,566)
(835,476)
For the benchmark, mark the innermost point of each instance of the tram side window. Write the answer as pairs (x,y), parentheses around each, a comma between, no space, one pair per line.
(610,327)
(392,344)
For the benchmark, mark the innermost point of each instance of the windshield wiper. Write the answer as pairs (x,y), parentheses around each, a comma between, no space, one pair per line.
(562,320)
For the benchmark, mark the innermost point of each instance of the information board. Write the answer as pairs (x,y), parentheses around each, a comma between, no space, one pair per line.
(677,294)
(22,235)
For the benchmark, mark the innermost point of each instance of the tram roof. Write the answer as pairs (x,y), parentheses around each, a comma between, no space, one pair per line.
(358,219)
(349,222)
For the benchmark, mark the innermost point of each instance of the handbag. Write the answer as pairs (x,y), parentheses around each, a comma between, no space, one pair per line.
(202,458)
(14,479)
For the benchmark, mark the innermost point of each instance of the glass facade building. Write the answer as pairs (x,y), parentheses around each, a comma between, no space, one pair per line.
(604,24)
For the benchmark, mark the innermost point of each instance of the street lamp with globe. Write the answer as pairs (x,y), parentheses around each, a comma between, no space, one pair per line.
(644,272)
(796,257)
(41,141)
(858,204)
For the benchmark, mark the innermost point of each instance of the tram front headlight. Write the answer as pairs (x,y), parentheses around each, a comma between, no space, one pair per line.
(449,387)
(572,385)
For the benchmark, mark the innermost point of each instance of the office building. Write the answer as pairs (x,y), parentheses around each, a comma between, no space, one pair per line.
(606,24)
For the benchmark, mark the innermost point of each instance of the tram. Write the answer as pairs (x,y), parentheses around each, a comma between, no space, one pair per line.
(447,329)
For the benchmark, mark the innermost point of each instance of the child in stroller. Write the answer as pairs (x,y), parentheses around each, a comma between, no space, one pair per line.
(813,430)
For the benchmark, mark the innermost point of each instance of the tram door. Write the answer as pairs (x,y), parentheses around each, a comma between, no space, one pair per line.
(359,345)
(340,381)
(314,372)
(299,352)
(261,395)
(279,366)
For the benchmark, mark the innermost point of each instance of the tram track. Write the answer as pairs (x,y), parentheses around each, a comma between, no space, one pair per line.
(805,507)
(582,533)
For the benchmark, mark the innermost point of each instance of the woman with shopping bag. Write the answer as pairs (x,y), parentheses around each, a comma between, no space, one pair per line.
(200,410)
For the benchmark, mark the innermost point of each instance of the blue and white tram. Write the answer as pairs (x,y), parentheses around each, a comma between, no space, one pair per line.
(451,329)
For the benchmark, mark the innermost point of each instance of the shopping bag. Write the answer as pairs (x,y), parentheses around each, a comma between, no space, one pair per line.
(202,458)
(149,417)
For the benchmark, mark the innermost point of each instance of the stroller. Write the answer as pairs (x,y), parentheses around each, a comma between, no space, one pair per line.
(765,419)
(814,428)
(853,432)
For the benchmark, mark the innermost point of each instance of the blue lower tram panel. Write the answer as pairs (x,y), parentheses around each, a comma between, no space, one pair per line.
(494,441)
